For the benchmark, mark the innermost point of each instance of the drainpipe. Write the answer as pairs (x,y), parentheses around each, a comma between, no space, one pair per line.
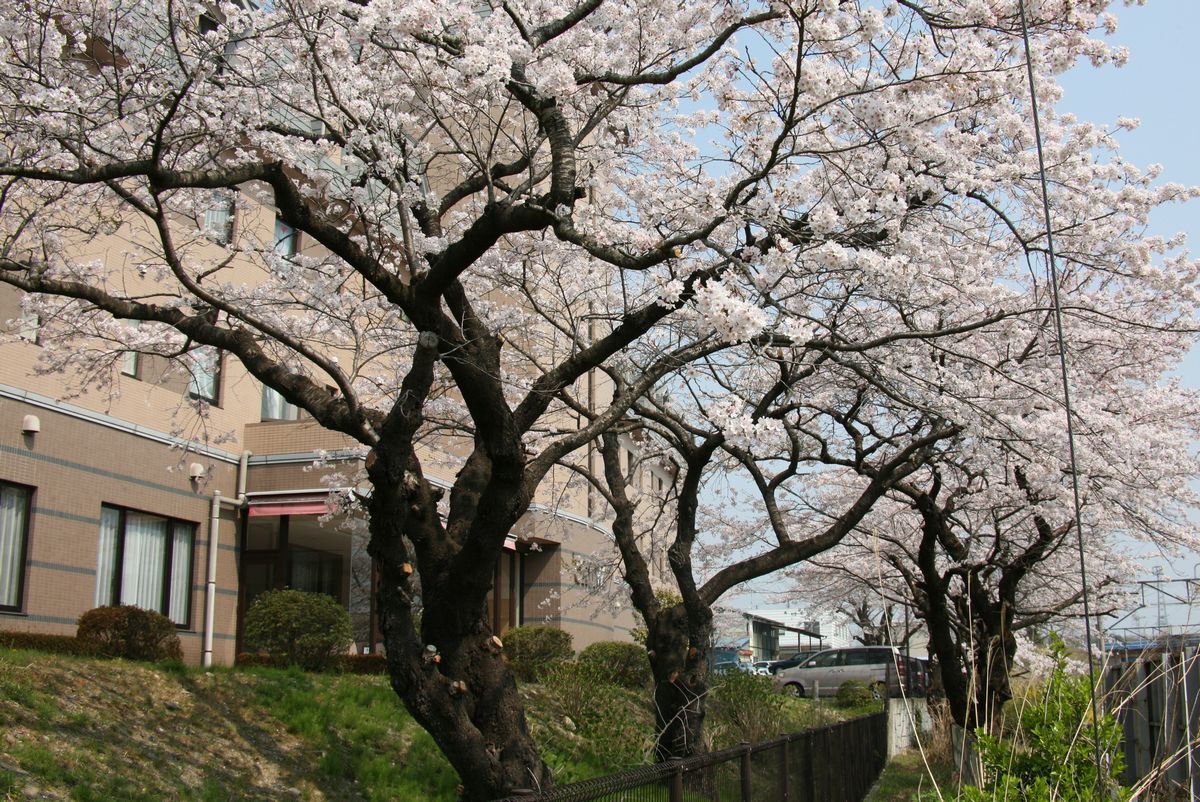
(214,530)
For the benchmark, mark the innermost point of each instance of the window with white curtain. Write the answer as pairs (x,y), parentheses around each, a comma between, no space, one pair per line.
(218,217)
(205,382)
(146,561)
(287,239)
(14,530)
(276,407)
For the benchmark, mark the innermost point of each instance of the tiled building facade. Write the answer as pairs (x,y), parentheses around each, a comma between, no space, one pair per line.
(112,499)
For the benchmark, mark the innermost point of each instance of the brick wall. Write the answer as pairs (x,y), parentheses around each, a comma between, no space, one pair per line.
(74,466)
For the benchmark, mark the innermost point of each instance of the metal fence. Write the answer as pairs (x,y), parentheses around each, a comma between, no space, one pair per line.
(1156,694)
(837,763)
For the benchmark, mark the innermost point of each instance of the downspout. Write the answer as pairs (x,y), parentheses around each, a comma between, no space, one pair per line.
(214,530)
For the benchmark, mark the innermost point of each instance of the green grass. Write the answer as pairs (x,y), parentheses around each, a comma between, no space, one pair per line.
(85,729)
(363,734)
(908,775)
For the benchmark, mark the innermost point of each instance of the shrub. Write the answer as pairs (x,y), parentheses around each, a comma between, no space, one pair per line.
(624,664)
(255,660)
(310,630)
(854,693)
(129,632)
(533,650)
(59,644)
(364,664)
(744,707)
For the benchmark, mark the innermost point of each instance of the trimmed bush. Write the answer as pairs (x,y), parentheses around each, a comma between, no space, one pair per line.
(854,693)
(533,650)
(59,644)
(624,664)
(129,632)
(310,630)
(364,664)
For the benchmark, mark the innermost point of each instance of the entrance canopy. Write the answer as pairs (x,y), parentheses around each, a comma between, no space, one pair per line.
(296,504)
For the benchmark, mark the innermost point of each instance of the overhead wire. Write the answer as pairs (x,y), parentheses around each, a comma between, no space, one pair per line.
(1052,267)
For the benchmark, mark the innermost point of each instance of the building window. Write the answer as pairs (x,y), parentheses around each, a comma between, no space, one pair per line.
(205,383)
(315,572)
(146,561)
(218,217)
(30,329)
(276,407)
(129,363)
(287,239)
(14,531)
(131,360)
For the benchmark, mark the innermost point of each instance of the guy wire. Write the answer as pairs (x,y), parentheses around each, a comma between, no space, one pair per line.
(1066,387)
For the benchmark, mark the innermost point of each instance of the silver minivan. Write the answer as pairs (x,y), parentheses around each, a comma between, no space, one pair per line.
(880,668)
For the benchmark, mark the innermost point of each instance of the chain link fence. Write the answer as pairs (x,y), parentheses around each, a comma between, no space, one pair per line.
(837,763)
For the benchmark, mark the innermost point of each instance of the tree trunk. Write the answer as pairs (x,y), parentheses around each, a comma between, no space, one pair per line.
(467,699)
(450,675)
(995,648)
(678,651)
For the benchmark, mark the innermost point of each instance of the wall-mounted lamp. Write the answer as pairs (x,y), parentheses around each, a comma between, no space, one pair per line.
(30,424)
(197,475)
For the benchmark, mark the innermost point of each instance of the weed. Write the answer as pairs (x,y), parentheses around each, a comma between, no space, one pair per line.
(10,784)
(111,730)
(744,707)
(611,739)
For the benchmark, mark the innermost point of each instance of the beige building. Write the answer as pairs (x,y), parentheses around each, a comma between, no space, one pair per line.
(124,494)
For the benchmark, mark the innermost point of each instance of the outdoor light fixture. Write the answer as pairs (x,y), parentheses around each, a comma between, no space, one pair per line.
(30,425)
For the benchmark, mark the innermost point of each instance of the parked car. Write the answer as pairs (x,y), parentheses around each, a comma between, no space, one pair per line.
(791,660)
(918,677)
(725,666)
(882,668)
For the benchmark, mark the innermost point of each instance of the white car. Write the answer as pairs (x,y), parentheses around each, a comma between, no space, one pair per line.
(881,668)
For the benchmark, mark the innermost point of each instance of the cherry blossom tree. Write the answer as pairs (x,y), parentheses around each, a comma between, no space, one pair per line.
(982,540)
(877,624)
(501,199)
(702,457)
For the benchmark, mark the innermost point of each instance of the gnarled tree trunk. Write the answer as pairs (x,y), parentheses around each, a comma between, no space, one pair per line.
(450,674)
(678,646)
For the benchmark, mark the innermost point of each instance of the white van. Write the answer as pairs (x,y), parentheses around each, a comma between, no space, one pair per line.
(881,668)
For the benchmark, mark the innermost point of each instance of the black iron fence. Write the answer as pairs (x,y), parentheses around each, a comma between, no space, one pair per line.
(837,763)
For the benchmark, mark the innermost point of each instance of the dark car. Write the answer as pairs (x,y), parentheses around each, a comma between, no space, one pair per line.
(918,677)
(789,662)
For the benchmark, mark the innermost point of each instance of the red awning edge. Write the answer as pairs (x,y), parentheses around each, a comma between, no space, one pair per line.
(288,508)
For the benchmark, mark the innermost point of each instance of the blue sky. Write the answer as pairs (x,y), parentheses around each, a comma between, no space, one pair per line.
(1157,86)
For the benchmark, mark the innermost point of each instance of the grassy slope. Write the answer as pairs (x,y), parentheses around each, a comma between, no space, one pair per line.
(80,729)
(91,730)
